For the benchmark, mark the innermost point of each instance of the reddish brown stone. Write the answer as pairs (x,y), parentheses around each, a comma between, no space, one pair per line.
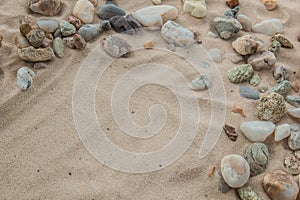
(232,3)
(74,21)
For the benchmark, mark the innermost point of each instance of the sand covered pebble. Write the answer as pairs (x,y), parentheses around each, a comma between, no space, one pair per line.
(257,155)
(282,131)
(235,170)
(45,7)
(203,82)
(48,25)
(24,78)
(257,131)
(58,47)
(268,27)
(36,37)
(21,41)
(84,10)
(249,93)
(270,4)
(255,80)
(282,88)
(240,74)
(263,60)
(245,21)
(110,10)
(116,47)
(227,26)
(31,54)
(74,21)
(195,8)
(247,44)
(282,40)
(66,28)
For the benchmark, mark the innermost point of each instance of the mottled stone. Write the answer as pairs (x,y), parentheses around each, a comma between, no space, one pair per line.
(25,29)
(282,88)
(293,100)
(232,3)
(249,93)
(58,47)
(120,24)
(48,25)
(282,40)
(294,140)
(248,44)
(215,55)
(132,22)
(246,193)
(68,41)
(116,47)
(281,132)
(257,131)
(66,28)
(227,26)
(195,8)
(203,82)
(110,10)
(21,41)
(74,21)
(263,60)
(255,80)
(36,37)
(257,155)
(24,78)
(271,108)
(79,42)
(45,7)
(280,74)
(268,27)
(84,10)
(245,21)
(292,163)
(31,54)
(275,47)
(235,58)
(240,74)
(270,4)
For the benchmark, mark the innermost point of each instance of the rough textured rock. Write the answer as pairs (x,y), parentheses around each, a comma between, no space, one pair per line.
(282,40)
(255,80)
(246,193)
(24,78)
(66,28)
(263,60)
(45,7)
(84,10)
(203,82)
(268,27)
(281,132)
(235,58)
(21,41)
(282,88)
(240,74)
(257,155)
(249,93)
(132,22)
(58,47)
(271,108)
(275,47)
(47,25)
(74,21)
(257,131)
(36,37)
(270,4)
(245,21)
(247,45)
(31,54)
(110,10)
(280,74)
(68,41)
(232,3)
(116,47)
(292,163)
(227,26)
(195,8)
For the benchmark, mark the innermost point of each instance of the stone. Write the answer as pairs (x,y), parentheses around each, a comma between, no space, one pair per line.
(282,40)
(36,37)
(25,29)
(245,21)
(270,4)
(110,10)
(39,65)
(21,41)
(293,100)
(45,7)
(232,12)
(292,163)
(257,131)
(240,74)
(203,82)
(91,31)
(84,10)
(149,44)
(116,47)
(282,131)
(255,80)
(246,193)
(68,41)
(235,58)
(24,78)
(262,89)
(156,2)
(230,132)
(155,16)
(212,35)
(275,47)
(223,186)
(31,54)
(176,34)
(268,27)
(271,108)
(263,60)
(48,25)
(195,8)
(66,28)
(57,33)
(120,24)
(79,42)
(227,26)
(232,3)
(58,47)
(74,21)
(215,55)
(280,74)
(282,88)
(279,185)
(257,156)
(248,44)
(248,93)
(294,112)
(46,43)
(132,22)
(294,140)
(235,170)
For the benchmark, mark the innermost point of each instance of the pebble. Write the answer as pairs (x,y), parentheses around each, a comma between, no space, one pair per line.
(240,74)
(263,60)
(110,10)
(262,89)
(238,109)
(235,58)
(156,2)
(36,37)
(268,27)
(79,42)
(74,21)
(257,131)
(235,170)
(25,29)
(248,44)
(24,78)
(149,44)
(194,8)
(271,108)
(257,156)
(232,3)
(293,100)
(132,22)
(282,131)
(45,7)
(84,10)
(292,163)
(203,82)
(223,186)
(280,185)
(155,16)
(245,21)
(248,93)
(294,112)
(282,88)
(176,34)
(46,43)
(116,47)
(227,26)
(275,47)
(230,132)
(66,28)
(280,74)
(294,140)
(31,54)
(120,24)
(215,55)
(270,4)
(91,31)
(212,35)
(57,33)
(21,41)
(246,193)
(232,12)
(282,40)
(58,47)
(39,65)
(255,80)
(48,25)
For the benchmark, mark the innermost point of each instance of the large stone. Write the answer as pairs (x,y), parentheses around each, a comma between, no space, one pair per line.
(257,131)
(263,60)
(195,8)
(45,7)
(257,155)
(48,25)
(240,74)
(31,54)
(84,10)
(227,26)
(24,78)
(268,27)
(247,44)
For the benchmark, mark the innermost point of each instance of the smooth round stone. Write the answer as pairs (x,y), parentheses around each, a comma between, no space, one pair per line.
(203,82)
(247,44)
(194,8)
(90,31)
(263,60)
(21,41)
(45,7)
(282,88)
(110,10)
(240,74)
(32,54)
(155,16)
(79,42)
(245,21)
(215,55)
(74,21)
(246,193)
(257,156)
(248,93)
(48,25)
(66,28)
(294,140)
(294,112)
(235,170)
(84,10)
(235,58)
(268,27)
(227,26)
(36,37)
(58,47)
(255,80)
(257,131)
(176,34)
(24,78)
(280,185)
(116,47)
(282,131)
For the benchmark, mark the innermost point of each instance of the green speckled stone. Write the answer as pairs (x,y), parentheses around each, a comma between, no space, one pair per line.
(282,88)
(257,155)
(255,80)
(241,73)
(246,193)
(275,47)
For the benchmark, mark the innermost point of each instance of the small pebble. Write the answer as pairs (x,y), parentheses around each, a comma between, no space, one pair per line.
(240,74)
(31,54)
(270,4)
(21,41)
(24,78)
(58,47)
(280,74)
(247,44)
(294,112)
(149,44)
(194,8)
(249,93)
(255,80)
(68,41)
(74,21)
(263,60)
(232,3)
(203,82)
(120,24)
(66,28)
(246,193)
(91,31)
(245,21)
(57,33)
(230,132)
(232,12)
(227,26)
(110,10)
(116,47)
(275,47)
(257,131)
(282,40)
(84,10)
(268,27)
(212,35)
(238,109)
(45,7)
(282,131)
(25,29)
(294,140)
(48,25)
(39,65)
(292,163)
(293,100)
(156,2)
(235,58)
(215,55)
(257,155)
(36,37)
(79,42)
(262,89)
(282,88)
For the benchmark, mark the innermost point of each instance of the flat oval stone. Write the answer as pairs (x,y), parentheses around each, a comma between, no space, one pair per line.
(268,27)
(36,37)
(21,41)
(32,54)
(66,28)
(24,78)
(203,82)
(194,8)
(110,10)
(45,7)
(263,60)
(245,21)
(257,131)
(48,25)
(176,34)
(282,131)
(257,155)
(116,47)
(227,26)
(294,140)
(248,93)
(294,112)
(282,88)
(155,16)
(84,10)
(247,44)
(235,170)
(58,47)
(240,74)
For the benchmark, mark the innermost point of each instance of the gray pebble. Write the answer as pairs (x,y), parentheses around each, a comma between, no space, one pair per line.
(58,47)
(24,78)
(282,88)
(66,28)
(110,10)
(257,155)
(203,82)
(248,93)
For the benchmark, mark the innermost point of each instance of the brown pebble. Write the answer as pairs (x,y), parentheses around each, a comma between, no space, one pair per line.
(74,21)
(79,42)
(237,109)
(298,38)
(1,38)
(149,44)
(211,171)
(39,65)
(232,3)
(230,132)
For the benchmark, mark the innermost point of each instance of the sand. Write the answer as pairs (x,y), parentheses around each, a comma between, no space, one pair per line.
(42,156)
